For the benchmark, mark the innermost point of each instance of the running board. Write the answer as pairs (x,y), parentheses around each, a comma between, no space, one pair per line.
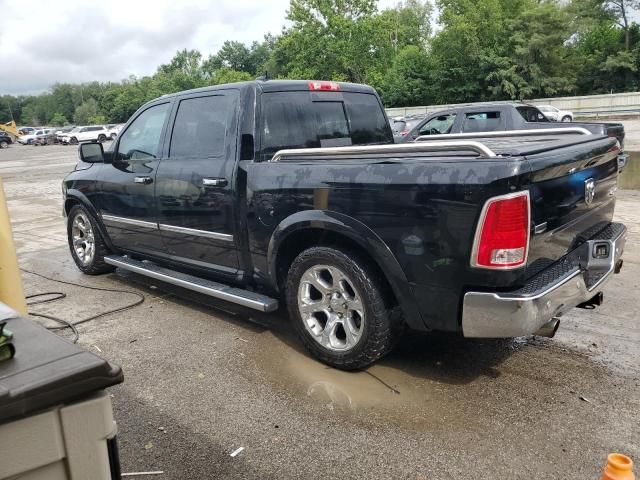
(197,284)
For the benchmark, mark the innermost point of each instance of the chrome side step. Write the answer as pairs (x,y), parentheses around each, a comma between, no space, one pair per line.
(190,282)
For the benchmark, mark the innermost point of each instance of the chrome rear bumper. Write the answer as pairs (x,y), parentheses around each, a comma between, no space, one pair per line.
(523,312)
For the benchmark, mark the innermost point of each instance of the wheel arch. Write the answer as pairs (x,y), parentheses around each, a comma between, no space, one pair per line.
(75,197)
(325,228)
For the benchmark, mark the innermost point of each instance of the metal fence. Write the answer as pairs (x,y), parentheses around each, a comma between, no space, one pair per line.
(616,104)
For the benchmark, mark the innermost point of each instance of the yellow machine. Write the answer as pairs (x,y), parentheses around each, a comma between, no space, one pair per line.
(11,292)
(11,128)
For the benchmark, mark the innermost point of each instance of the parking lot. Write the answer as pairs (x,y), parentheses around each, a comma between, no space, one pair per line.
(203,378)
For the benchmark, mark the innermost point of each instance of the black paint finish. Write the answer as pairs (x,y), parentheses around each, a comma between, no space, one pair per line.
(414,216)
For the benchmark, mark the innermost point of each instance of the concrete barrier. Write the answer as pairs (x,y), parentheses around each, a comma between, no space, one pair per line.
(617,104)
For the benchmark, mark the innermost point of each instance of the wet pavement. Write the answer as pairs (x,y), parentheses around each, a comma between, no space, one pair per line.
(203,377)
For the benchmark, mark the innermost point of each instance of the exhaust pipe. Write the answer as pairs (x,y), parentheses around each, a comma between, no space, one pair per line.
(549,329)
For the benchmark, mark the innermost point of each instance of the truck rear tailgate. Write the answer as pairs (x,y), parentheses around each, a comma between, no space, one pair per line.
(572,198)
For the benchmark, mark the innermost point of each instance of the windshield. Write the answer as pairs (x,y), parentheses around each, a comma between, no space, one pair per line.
(306,120)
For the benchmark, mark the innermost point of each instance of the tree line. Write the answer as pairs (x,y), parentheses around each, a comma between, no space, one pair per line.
(416,53)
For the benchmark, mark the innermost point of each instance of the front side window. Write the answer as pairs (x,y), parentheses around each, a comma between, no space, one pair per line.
(142,138)
(481,122)
(438,125)
(201,125)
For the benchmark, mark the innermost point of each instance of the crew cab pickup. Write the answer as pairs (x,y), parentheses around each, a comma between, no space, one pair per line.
(267,193)
(495,117)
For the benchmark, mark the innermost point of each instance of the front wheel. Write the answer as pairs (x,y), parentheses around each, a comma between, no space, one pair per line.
(73,141)
(566,118)
(102,138)
(87,246)
(337,304)
(4,144)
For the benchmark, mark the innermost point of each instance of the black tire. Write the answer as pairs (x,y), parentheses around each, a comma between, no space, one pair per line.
(97,265)
(113,136)
(73,141)
(4,144)
(102,138)
(566,118)
(382,324)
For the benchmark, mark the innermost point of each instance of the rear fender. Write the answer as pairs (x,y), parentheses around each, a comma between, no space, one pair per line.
(358,233)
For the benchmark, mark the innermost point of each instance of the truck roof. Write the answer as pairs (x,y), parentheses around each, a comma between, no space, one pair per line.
(277,86)
(484,106)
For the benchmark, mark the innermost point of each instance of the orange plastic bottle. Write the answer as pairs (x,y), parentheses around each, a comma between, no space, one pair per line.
(619,467)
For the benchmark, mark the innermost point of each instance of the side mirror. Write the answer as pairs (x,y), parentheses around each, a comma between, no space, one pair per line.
(91,152)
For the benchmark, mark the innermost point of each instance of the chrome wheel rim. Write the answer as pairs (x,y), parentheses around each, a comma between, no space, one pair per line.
(83,240)
(331,308)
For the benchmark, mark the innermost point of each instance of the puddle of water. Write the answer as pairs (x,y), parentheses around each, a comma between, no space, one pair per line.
(630,176)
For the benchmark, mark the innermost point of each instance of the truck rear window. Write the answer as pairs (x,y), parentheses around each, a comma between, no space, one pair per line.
(482,122)
(300,120)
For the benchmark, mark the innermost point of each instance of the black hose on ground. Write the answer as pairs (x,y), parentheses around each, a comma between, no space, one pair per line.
(64,324)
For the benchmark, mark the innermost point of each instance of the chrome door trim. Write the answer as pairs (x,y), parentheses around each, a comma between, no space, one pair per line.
(130,221)
(199,233)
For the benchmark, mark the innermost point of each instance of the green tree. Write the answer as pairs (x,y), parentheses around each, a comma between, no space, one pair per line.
(328,39)
(97,119)
(85,111)
(58,120)
(408,82)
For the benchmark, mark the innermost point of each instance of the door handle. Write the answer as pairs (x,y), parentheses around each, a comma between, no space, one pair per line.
(215,182)
(143,180)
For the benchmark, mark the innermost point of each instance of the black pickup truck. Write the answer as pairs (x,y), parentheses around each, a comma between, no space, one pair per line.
(495,117)
(293,191)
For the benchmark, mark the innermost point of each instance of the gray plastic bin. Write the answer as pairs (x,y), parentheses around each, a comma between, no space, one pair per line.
(56,421)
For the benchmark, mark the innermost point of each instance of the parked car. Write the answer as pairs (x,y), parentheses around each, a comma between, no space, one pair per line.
(296,193)
(497,117)
(113,130)
(401,126)
(554,114)
(63,130)
(90,133)
(5,140)
(30,138)
(47,138)
(26,130)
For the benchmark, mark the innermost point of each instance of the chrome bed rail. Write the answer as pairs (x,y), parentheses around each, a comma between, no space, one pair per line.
(418,147)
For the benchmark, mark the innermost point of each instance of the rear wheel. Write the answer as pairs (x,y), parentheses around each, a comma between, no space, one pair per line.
(337,305)
(4,144)
(102,138)
(87,246)
(566,118)
(73,141)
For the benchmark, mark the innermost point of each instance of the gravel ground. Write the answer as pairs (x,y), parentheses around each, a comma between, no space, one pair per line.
(204,378)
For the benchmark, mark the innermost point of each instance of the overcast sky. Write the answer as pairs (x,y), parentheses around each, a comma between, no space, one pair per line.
(43,42)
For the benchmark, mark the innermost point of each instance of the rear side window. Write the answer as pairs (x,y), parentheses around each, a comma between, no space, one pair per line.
(201,125)
(482,122)
(299,120)
(531,114)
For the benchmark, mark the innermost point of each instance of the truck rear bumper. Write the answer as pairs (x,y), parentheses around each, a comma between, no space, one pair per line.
(573,280)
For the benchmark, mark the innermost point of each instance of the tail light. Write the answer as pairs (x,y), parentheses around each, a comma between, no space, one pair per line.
(502,235)
(324,86)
